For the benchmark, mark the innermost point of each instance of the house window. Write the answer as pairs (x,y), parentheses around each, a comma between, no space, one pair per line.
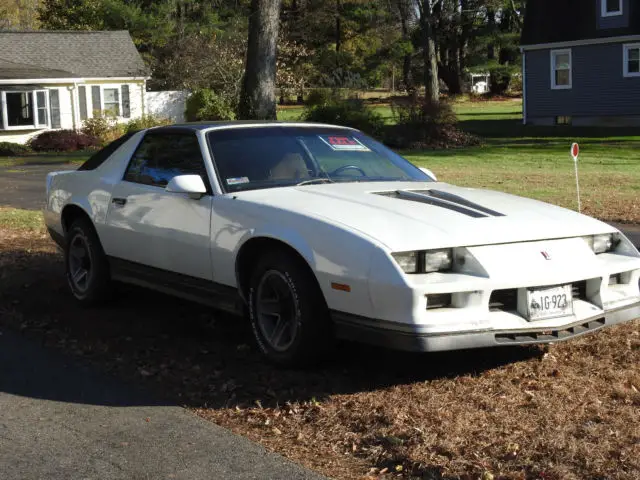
(561,69)
(111,102)
(631,60)
(108,100)
(24,110)
(611,8)
(42,112)
(563,120)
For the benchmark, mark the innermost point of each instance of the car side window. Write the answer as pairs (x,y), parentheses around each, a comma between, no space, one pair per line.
(160,157)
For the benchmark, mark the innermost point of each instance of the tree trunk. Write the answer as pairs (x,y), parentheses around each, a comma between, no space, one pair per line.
(431,85)
(338,32)
(466,21)
(491,24)
(407,74)
(258,96)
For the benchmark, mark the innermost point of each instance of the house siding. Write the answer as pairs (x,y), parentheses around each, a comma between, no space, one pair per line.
(66,117)
(599,88)
(615,21)
(69,103)
(136,102)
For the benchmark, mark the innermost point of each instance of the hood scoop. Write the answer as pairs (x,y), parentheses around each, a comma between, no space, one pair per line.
(446,200)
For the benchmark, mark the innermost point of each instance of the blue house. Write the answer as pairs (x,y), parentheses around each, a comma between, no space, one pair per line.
(581,62)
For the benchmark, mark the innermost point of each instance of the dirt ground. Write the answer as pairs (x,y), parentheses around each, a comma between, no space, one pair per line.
(570,411)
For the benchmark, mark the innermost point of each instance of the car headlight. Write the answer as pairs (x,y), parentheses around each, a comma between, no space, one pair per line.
(603,243)
(425,261)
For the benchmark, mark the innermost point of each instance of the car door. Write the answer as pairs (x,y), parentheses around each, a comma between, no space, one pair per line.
(152,227)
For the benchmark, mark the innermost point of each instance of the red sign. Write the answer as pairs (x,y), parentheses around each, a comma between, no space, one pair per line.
(341,141)
(575,150)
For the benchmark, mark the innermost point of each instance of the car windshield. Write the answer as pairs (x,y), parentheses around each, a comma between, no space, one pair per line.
(277,156)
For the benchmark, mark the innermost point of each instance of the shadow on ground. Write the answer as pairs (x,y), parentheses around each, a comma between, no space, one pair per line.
(189,354)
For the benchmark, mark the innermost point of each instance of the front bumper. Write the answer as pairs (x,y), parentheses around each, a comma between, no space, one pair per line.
(413,338)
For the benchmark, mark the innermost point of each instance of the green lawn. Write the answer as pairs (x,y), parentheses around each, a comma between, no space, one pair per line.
(467,111)
(535,161)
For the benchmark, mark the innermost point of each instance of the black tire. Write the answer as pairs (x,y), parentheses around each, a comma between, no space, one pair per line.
(94,285)
(309,331)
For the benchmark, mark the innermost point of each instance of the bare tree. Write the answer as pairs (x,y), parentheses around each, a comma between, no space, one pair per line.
(428,10)
(258,96)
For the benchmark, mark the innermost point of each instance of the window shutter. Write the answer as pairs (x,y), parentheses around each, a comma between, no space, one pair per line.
(1,108)
(126,105)
(54,106)
(82,98)
(96,103)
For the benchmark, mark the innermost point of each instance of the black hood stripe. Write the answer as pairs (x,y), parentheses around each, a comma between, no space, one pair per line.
(432,200)
(450,197)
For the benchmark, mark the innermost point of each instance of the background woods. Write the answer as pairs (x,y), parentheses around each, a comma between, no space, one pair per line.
(353,44)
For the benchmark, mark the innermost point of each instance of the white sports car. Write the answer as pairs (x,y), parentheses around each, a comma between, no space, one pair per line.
(320,232)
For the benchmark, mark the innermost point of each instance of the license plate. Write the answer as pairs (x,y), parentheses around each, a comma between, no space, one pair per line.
(543,303)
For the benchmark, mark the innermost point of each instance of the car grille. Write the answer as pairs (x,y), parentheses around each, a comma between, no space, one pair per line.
(507,300)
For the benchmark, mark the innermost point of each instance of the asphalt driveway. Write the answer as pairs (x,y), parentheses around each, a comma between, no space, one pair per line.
(60,420)
(23,186)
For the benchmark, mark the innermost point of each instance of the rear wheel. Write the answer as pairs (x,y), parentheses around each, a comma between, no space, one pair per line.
(289,316)
(87,267)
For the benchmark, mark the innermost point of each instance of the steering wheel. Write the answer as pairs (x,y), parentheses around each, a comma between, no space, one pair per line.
(337,171)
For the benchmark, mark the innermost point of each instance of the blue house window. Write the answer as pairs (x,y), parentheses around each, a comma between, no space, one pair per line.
(631,60)
(611,8)
(561,69)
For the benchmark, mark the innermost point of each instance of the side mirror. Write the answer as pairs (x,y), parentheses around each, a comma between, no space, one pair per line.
(190,184)
(430,173)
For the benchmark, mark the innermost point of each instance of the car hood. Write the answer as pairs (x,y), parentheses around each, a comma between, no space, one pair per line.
(414,215)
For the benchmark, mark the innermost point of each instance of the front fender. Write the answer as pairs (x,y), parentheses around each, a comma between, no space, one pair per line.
(337,256)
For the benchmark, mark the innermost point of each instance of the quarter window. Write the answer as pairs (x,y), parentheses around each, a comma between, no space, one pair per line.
(561,74)
(631,59)
(611,7)
(160,157)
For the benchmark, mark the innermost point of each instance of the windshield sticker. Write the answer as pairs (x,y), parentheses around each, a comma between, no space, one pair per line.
(343,144)
(237,180)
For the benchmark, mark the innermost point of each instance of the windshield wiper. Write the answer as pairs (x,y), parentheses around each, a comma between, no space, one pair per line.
(315,180)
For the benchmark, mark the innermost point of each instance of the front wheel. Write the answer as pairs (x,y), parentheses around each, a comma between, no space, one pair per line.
(86,265)
(288,313)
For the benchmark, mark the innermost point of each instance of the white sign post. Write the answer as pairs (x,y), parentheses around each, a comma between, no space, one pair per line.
(575,151)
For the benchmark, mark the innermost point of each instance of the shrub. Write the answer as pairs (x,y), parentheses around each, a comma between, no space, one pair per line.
(420,123)
(205,104)
(146,121)
(318,97)
(9,149)
(350,113)
(105,129)
(63,141)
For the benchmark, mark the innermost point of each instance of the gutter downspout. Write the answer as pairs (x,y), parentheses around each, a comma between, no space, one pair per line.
(524,86)
(74,108)
(144,91)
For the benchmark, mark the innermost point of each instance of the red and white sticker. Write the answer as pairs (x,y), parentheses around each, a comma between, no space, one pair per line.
(342,143)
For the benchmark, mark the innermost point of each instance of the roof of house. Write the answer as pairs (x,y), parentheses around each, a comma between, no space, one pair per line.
(64,54)
(17,71)
(550,21)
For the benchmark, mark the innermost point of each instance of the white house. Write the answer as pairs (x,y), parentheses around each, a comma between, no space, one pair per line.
(58,79)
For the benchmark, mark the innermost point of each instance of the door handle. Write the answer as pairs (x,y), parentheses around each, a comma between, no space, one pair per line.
(120,202)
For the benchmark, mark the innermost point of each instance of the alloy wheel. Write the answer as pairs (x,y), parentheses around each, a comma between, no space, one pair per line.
(79,263)
(276,310)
